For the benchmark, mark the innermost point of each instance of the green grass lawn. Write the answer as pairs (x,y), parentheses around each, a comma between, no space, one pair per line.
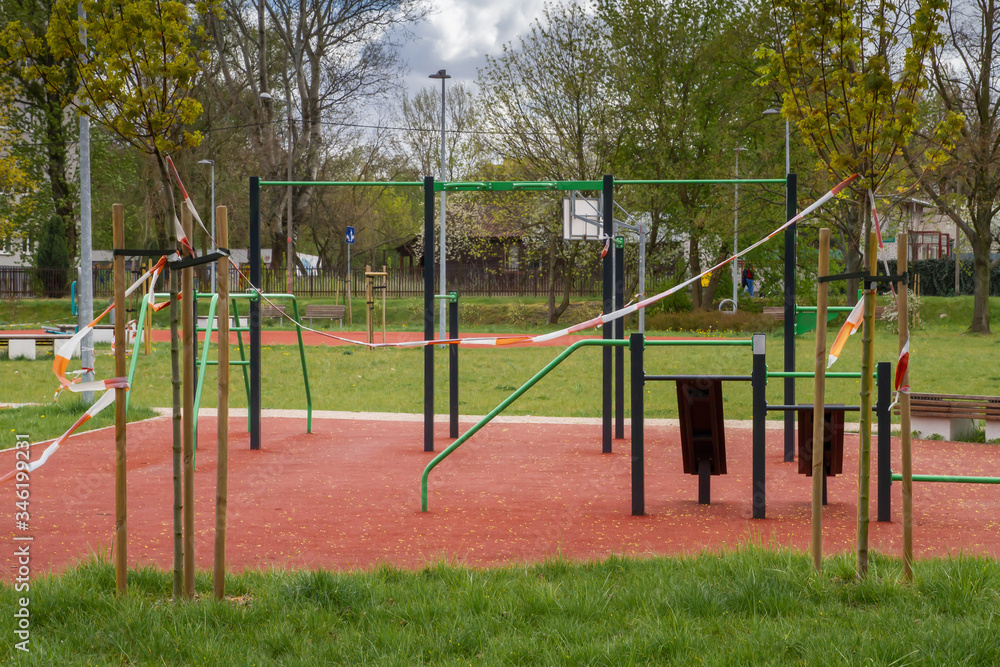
(750,607)
(391,380)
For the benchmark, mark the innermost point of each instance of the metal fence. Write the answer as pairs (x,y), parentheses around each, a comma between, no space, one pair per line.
(29,283)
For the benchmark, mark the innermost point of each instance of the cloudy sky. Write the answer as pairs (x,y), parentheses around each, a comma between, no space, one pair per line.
(458,34)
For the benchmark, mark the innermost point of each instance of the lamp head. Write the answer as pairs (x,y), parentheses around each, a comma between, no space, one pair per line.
(441,74)
(769,112)
(212,162)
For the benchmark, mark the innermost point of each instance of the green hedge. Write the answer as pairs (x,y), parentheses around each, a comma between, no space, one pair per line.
(937,277)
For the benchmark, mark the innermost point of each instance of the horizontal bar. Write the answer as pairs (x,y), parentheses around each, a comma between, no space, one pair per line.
(832,309)
(511,186)
(954,479)
(831,408)
(702,342)
(235,362)
(809,374)
(737,378)
(701,181)
(344,183)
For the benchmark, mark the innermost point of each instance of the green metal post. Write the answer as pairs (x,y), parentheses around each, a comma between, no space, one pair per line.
(302,357)
(203,364)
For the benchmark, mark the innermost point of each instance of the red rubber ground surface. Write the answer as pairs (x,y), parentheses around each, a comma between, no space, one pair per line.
(347,496)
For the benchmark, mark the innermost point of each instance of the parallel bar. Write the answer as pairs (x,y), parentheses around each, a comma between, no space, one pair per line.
(791,206)
(342,183)
(829,408)
(952,479)
(884,440)
(253,411)
(734,378)
(453,367)
(759,385)
(609,306)
(619,335)
(703,342)
(701,181)
(809,374)
(429,313)
(638,424)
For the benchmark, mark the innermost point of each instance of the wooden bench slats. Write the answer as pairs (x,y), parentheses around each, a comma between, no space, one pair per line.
(272,311)
(954,406)
(326,311)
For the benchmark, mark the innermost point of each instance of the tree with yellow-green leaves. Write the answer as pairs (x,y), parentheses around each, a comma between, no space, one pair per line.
(136,65)
(851,74)
(15,180)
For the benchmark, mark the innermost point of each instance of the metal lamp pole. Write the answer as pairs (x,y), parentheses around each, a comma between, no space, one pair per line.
(211,164)
(442,74)
(291,246)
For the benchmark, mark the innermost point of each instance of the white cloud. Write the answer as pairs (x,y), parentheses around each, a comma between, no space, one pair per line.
(459,34)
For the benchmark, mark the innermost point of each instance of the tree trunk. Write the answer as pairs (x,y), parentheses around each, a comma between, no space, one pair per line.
(55,146)
(551,280)
(981,285)
(568,272)
(865,426)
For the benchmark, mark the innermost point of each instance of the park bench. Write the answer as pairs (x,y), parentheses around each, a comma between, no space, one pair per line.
(951,415)
(326,312)
(25,345)
(778,312)
(267,310)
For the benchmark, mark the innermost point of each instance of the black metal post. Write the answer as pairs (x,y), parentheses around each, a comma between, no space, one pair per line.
(620,335)
(791,206)
(609,306)
(254,259)
(759,385)
(884,475)
(636,342)
(704,482)
(429,313)
(453,364)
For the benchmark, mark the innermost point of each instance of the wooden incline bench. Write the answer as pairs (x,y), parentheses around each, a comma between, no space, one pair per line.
(950,415)
(326,312)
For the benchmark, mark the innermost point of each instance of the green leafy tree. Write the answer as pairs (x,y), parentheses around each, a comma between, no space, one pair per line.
(684,74)
(39,111)
(52,255)
(965,77)
(546,99)
(852,73)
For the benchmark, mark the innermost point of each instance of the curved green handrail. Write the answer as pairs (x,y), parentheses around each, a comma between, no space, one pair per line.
(503,406)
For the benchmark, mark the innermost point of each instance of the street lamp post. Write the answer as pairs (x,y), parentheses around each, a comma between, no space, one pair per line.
(290,259)
(442,74)
(211,164)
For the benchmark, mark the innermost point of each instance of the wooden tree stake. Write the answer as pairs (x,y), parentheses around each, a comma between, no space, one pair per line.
(187,319)
(222,429)
(819,398)
(121,486)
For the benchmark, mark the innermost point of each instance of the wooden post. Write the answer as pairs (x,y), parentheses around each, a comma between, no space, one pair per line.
(369,304)
(222,428)
(147,340)
(385,288)
(865,439)
(187,319)
(121,486)
(819,398)
(903,318)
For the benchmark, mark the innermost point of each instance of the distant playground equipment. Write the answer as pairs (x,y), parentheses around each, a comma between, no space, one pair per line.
(370,300)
